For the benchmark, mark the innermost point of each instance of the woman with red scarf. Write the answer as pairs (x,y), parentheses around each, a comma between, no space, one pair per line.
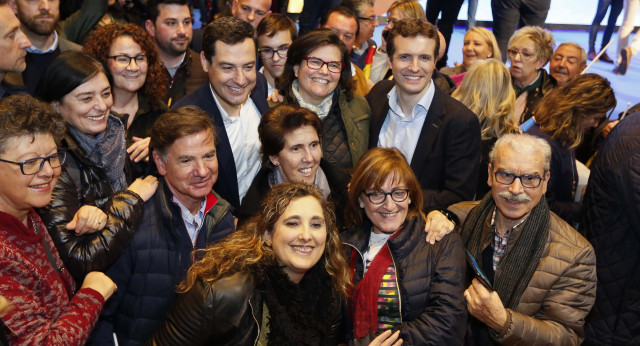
(400,281)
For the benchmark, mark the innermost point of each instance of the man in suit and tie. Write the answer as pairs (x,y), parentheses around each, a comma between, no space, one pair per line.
(438,135)
(235,97)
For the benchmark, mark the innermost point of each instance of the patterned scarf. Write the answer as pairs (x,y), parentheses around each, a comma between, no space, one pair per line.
(322,110)
(106,150)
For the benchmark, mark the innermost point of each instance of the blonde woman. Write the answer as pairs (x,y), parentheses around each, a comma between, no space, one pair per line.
(479,44)
(486,90)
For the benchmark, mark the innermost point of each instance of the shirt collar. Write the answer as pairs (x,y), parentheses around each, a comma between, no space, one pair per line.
(51,48)
(226,118)
(424,102)
(495,229)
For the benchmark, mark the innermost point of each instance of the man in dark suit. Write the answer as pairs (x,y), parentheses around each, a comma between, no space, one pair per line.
(438,135)
(235,97)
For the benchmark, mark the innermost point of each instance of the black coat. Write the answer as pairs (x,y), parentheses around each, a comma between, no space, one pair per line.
(83,183)
(153,265)
(447,154)
(611,222)
(431,282)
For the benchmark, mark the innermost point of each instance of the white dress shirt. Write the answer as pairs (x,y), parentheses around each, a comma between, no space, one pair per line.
(402,131)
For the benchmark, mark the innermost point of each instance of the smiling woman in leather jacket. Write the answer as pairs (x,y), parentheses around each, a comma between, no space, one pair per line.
(401,282)
(95,208)
(280,280)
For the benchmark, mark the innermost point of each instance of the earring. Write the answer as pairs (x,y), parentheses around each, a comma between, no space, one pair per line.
(361,205)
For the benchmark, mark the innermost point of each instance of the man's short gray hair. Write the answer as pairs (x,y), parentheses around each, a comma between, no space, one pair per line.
(583,54)
(521,143)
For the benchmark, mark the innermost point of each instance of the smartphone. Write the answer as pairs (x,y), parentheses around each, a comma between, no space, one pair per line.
(478,271)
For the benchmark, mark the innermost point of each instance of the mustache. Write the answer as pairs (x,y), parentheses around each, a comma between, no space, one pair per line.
(519,198)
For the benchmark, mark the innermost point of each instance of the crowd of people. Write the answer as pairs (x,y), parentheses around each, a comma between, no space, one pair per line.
(249,183)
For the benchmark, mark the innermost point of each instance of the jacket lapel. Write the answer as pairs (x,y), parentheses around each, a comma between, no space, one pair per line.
(429,132)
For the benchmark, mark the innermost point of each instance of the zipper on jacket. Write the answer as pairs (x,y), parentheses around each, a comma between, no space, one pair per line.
(364,265)
(397,284)
(256,320)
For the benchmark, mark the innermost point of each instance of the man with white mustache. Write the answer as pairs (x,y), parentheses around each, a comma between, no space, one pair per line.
(438,135)
(541,271)
(235,98)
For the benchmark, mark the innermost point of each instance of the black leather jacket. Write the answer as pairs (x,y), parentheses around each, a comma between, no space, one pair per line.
(83,183)
(227,311)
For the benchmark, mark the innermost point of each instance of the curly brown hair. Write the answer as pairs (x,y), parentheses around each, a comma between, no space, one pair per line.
(155,85)
(24,115)
(562,111)
(245,249)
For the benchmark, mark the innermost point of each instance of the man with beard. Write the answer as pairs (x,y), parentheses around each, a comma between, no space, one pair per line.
(40,22)
(13,44)
(542,271)
(569,60)
(235,96)
(170,25)
(184,214)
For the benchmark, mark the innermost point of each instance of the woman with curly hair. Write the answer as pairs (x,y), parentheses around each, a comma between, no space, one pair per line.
(561,118)
(486,90)
(138,80)
(279,280)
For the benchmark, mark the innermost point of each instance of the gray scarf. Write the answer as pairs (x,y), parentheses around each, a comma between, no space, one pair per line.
(106,150)
(518,264)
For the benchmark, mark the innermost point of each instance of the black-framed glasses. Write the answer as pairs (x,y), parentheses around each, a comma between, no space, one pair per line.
(267,52)
(125,60)
(530,181)
(317,63)
(524,56)
(371,19)
(34,165)
(378,197)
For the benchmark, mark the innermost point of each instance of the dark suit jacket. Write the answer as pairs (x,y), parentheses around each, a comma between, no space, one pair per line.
(227,184)
(447,154)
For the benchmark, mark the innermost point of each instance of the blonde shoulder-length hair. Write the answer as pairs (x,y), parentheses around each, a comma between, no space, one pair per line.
(487,91)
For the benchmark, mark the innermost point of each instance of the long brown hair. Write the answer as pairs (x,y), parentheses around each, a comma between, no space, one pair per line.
(373,169)
(562,111)
(244,249)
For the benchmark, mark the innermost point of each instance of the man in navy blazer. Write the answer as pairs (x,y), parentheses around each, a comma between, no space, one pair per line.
(235,97)
(438,135)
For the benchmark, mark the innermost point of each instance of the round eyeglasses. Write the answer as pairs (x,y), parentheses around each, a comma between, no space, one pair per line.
(378,197)
(35,165)
(530,181)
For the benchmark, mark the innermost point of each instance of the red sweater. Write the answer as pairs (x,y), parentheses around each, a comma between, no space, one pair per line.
(45,309)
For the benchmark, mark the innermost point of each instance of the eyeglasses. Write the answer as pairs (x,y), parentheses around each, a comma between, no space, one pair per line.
(530,181)
(267,53)
(525,56)
(369,19)
(378,197)
(125,60)
(33,166)
(317,63)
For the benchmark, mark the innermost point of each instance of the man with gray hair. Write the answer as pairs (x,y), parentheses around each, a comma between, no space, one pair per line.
(541,271)
(568,61)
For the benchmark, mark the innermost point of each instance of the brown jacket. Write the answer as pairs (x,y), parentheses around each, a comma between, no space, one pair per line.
(561,291)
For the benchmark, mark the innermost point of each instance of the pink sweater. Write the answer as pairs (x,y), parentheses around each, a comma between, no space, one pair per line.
(45,309)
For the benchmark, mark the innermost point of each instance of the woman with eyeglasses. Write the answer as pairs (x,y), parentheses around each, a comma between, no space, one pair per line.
(95,207)
(47,308)
(138,80)
(561,119)
(530,49)
(400,281)
(317,77)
